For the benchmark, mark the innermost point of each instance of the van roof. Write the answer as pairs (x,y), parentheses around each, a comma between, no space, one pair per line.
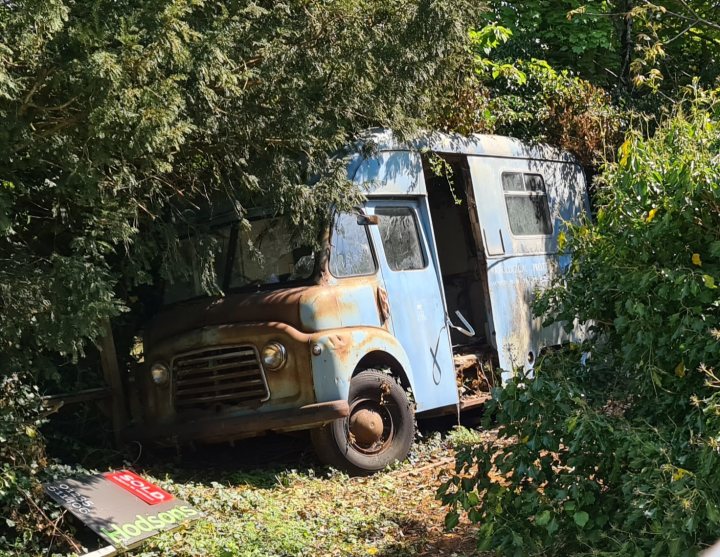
(475,144)
(384,164)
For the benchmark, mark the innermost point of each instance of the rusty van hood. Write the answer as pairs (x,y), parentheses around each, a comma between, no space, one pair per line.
(255,307)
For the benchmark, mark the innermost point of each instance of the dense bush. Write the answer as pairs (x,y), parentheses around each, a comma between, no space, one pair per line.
(30,523)
(620,456)
(558,108)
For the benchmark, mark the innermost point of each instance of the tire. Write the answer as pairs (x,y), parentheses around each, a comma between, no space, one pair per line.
(379,430)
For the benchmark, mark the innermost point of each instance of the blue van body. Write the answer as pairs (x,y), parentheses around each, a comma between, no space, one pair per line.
(434,274)
(515,264)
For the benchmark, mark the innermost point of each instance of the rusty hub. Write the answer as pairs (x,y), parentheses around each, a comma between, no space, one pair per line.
(366,425)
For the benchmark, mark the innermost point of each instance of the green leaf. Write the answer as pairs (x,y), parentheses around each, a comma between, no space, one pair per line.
(715,248)
(451,520)
(552,527)
(543,518)
(571,423)
(712,512)
(581,518)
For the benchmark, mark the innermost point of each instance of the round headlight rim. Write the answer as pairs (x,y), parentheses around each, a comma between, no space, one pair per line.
(280,349)
(164,378)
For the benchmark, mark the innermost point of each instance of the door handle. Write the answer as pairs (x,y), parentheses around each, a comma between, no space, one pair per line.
(487,243)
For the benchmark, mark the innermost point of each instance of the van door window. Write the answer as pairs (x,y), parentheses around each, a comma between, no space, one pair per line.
(400,238)
(527,204)
(350,253)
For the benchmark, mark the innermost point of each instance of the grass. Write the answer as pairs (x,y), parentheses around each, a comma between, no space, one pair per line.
(461,437)
(276,511)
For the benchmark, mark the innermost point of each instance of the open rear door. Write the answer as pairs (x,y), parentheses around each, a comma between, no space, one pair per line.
(522,205)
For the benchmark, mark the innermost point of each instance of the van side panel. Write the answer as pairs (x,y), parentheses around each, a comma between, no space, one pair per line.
(518,265)
(391,173)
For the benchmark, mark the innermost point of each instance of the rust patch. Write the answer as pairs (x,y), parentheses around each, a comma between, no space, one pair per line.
(383,304)
(384,391)
(281,305)
(337,305)
(278,305)
(340,344)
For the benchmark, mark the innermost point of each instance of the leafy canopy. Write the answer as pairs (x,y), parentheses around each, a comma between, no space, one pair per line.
(121,119)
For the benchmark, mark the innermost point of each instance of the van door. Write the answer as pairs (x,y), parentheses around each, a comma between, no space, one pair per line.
(522,206)
(417,312)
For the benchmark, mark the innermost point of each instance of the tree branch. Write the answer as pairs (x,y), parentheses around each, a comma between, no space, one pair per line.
(694,19)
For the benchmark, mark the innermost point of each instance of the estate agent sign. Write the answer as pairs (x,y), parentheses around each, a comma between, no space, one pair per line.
(123,508)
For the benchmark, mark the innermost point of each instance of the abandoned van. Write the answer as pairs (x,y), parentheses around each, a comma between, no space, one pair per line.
(415,301)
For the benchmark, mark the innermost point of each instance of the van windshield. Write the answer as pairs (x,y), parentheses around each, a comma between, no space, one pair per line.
(264,254)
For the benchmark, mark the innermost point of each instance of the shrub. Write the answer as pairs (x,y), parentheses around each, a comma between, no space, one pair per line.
(22,458)
(620,456)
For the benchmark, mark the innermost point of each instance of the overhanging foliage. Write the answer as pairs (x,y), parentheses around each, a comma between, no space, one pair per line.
(120,118)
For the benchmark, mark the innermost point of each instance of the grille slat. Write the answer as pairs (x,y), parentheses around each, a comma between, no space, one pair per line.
(218,386)
(215,377)
(251,373)
(216,354)
(213,400)
(219,367)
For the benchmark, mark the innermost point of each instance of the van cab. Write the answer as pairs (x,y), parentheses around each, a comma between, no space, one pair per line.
(418,303)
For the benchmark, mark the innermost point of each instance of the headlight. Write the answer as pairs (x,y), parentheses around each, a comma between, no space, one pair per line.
(160,373)
(274,356)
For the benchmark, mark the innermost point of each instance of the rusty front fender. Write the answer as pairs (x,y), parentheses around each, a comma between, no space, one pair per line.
(337,353)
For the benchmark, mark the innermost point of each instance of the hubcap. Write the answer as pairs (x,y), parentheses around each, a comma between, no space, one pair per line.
(370,426)
(366,426)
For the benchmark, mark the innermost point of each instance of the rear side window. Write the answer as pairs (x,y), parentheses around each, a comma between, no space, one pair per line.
(527,204)
(400,238)
(350,254)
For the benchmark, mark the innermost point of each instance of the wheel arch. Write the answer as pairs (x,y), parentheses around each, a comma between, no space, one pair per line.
(379,359)
(345,352)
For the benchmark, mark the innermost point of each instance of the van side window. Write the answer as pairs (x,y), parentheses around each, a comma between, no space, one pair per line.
(350,254)
(527,204)
(400,238)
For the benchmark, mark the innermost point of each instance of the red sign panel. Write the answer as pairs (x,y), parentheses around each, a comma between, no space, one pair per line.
(143,489)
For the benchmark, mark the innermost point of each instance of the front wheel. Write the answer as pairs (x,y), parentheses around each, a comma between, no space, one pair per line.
(378,431)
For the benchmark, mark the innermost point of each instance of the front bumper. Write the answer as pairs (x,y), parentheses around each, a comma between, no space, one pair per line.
(215,429)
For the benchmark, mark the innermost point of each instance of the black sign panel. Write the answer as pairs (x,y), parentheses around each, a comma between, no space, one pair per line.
(123,508)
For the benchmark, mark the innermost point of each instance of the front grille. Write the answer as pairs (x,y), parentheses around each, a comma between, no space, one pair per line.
(215,377)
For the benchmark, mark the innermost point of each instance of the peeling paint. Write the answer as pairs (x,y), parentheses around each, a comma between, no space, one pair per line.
(390,320)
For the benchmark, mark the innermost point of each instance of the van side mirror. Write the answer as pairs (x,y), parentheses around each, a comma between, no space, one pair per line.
(365,220)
